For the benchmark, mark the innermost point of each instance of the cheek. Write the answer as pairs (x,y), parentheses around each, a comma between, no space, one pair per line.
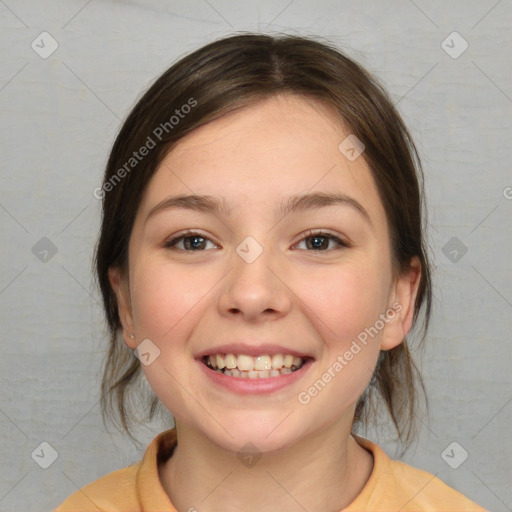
(162,296)
(165,302)
(346,301)
(347,305)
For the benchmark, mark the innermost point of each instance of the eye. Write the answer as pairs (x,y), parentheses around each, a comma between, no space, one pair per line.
(320,241)
(194,241)
(189,241)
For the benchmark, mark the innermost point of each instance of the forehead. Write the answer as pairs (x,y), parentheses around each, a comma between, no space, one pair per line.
(260,154)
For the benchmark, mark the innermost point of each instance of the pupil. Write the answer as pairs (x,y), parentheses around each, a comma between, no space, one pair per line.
(195,242)
(318,242)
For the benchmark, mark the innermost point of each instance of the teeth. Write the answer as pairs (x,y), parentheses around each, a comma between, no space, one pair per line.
(288,361)
(259,367)
(245,362)
(230,361)
(277,361)
(262,363)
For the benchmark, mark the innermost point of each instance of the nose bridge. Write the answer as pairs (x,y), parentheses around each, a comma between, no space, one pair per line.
(252,286)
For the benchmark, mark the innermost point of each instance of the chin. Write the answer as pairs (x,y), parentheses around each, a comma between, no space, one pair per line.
(268,433)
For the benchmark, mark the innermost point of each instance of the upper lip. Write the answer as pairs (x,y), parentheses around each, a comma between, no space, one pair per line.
(252,350)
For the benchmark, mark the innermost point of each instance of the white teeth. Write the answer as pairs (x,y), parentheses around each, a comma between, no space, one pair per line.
(288,361)
(245,362)
(262,363)
(259,367)
(230,361)
(277,361)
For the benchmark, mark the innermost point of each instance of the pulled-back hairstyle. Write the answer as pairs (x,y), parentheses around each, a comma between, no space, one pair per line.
(227,75)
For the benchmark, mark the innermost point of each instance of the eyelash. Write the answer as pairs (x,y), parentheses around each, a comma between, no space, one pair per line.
(309,234)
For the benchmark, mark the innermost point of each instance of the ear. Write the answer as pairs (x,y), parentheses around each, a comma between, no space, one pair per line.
(400,312)
(119,284)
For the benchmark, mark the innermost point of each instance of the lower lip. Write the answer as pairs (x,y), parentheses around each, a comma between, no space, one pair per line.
(246,386)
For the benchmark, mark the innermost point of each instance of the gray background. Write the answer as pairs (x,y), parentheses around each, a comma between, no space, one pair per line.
(59,117)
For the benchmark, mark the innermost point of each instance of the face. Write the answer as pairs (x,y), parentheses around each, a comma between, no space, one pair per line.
(270,272)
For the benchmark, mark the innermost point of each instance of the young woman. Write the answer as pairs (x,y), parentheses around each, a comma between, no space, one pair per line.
(262,255)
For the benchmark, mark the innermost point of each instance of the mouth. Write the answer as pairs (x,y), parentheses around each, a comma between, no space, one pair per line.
(263,366)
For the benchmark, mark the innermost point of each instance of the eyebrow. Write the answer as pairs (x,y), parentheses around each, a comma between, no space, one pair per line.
(293,204)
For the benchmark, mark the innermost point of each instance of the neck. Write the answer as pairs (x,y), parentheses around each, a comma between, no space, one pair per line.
(325,471)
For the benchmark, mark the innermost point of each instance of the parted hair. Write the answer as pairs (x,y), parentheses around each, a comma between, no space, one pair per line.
(230,74)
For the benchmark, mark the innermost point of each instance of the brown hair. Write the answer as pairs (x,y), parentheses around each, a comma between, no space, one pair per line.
(230,74)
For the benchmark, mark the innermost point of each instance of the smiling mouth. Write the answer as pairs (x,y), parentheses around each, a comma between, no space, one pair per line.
(258,367)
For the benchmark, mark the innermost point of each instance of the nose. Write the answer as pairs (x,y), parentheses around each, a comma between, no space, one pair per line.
(256,291)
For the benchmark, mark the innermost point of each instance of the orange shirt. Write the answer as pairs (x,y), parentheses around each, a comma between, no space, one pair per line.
(393,486)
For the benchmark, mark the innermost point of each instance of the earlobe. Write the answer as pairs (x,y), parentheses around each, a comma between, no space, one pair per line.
(120,287)
(403,305)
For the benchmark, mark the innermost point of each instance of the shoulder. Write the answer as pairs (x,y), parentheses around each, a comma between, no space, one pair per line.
(394,485)
(107,494)
(136,487)
(429,492)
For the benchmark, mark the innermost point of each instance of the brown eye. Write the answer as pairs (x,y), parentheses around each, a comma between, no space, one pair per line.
(322,241)
(189,242)
(317,242)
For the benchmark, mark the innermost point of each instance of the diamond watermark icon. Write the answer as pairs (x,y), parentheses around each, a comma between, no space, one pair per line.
(146,352)
(44,455)
(454,45)
(454,249)
(44,250)
(249,455)
(454,455)
(249,249)
(44,45)
(351,147)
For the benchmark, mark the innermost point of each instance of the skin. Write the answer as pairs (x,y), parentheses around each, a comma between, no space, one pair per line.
(316,301)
